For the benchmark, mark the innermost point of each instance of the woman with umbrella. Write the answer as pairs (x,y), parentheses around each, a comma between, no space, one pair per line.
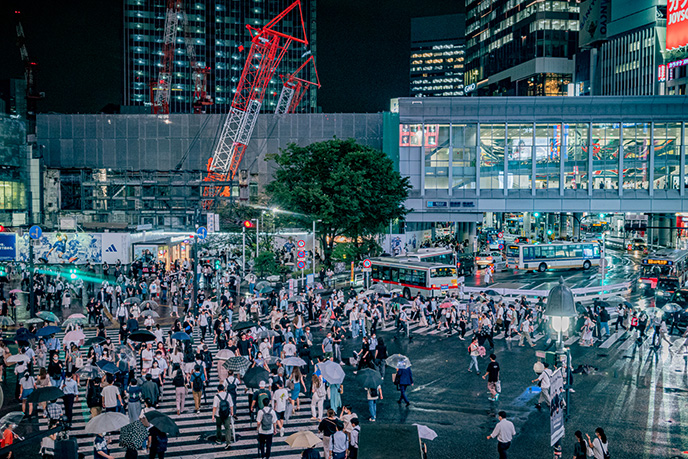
(295,383)
(42,381)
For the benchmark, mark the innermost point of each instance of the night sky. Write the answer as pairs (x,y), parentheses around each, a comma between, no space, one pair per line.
(362,51)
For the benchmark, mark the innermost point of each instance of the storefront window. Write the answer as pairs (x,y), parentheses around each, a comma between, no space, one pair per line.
(12,195)
(520,155)
(547,155)
(636,140)
(436,150)
(667,156)
(492,156)
(576,161)
(410,144)
(605,160)
(464,142)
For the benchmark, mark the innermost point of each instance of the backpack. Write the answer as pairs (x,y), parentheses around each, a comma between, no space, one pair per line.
(197,383)
(231,386)
(260,397)
(266,421)
(372,392)
(178,379)
(223,408)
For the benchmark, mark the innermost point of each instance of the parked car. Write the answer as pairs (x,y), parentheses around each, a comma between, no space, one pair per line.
(495,259)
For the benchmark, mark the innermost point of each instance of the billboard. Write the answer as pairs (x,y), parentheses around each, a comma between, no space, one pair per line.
(677,24)
(8,246)
(556,407)
(63,248)
(594,17)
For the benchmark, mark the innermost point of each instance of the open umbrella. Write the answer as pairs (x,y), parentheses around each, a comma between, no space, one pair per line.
(76,316)
(163,423)
(149,313)
(237,364)
(243,325)
(379,288)
(95,340)
(671,308)
(91,372)
(294,362)
(49,330)
(132,300)
(17,290)
(107,366)
(396,360)
(132,436)
(48,316)
(425,432)
(296,298)
(369,378)
(181,336)
(75,321)
(224,354)
(34,320)
(267,334)
(446,304)
(266,289)
(142,336)
(45,394)
(400,300)
(261,284)
(4,320)
(331,372)
(13,417)
(74,336)
(18,358)
(254,376)
(24,336)
(107,422)
(125,352)
(149,303)
(303,439)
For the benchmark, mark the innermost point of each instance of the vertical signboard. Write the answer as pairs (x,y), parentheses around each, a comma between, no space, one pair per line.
(677,24)
(556,415)
(8,246)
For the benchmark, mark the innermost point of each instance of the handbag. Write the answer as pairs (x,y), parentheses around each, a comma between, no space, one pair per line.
(498,387)
(79,362)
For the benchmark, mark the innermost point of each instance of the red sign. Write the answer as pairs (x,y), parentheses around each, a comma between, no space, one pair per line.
(366,263)
(301,254)
(301,243)
(661,73)
(301,264)
(677,24)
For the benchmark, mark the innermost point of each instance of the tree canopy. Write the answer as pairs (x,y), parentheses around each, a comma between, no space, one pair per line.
(353,189)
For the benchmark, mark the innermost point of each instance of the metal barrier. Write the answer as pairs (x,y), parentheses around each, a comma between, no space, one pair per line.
(583,295)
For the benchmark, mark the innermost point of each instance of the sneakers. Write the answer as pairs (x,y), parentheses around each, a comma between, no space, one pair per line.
(281,431)
(491,399)
(462,338)
(228,447)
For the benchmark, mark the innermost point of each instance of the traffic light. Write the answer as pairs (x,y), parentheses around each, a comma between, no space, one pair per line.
(3,271)
(72,273)
(536,214)
(2,229)
(217,264)
(549,232)
(601,216)
(248,224)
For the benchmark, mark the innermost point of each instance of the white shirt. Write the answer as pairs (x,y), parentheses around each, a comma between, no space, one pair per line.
(259,418)
(279,399)
(221,396)
(504,431)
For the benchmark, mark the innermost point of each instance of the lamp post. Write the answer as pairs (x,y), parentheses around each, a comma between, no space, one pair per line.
(561,308)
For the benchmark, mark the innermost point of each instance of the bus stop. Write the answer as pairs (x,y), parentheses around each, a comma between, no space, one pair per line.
(390,441)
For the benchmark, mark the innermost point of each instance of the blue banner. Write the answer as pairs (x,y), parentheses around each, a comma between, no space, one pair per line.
(8,246)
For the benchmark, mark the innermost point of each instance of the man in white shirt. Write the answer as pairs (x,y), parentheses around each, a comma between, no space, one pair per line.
(147,358)
(504,432)
(223,418)
(279,404)
(265,421)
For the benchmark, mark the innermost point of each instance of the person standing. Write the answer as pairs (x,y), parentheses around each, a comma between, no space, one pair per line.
(223,410)
(580,448)
(600,445)
(179,381)
(134,400)
(319,394)
(373,394)
(404,378)
(328,427)
(492,375)
(197,381)
(265,421)
(504,432)
(353,439)
(474,352)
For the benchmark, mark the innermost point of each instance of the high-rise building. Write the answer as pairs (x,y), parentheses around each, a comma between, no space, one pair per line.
(221,42)
(437,55)
(521,48)
(622,45)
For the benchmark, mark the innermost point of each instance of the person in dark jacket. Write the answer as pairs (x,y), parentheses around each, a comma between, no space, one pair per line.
(404,378)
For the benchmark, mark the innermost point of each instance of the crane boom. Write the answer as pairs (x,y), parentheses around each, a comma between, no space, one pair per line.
(268,47)
(160,89)
(198,72)
(294,88)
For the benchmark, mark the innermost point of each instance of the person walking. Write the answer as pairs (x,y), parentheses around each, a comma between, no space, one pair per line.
(71,393)
(134,400)
(504,432)
(474,352)
(328,427)
(319,393)
(197,381)
(403,378)
(223,411)
(179,381)
(265,421)
(580,448)
(600,445)
(339,443)
(544,382)
(492,374)
(353,438)
(279,403)
(373,394)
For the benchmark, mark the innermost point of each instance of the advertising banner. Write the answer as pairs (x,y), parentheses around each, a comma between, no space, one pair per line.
(8,246)
(677,24)
(594,17)
(556,414)
(61,248)
(116,247)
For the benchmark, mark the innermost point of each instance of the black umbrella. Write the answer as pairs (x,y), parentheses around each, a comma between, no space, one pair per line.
(142,336)
(95,340)
(400,300)
(107,366)
(237,364)
(45,394)
(243,325)
(163,423)
(369,378)
(133,435)
(254,376)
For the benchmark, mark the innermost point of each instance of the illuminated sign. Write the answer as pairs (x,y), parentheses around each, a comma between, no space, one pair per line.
(469,88)
(678,63)
(661,73)
(657,262)
(677,24)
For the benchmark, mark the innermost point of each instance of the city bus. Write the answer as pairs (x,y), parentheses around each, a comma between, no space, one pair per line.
(558,255)
(414,277)
(666,269)
(433,255)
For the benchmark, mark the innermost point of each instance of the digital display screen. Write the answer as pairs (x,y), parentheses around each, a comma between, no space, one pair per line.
(677,24)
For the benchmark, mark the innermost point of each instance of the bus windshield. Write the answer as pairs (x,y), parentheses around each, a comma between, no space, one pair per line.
(443,272)
(512,251)
(657,271)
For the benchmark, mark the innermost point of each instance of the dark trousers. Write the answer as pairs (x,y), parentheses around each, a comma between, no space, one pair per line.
(68,400)
(501,449)
(227,423)
(402,395)
(131,454)
(353,452)
(264,445)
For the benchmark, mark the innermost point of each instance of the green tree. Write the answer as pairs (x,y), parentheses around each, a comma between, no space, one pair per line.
(265,263)
(353,189)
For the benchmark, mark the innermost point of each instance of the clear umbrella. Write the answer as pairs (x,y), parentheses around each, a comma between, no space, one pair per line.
(106,422)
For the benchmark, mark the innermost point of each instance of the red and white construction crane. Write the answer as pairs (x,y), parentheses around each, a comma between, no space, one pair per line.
(160,89)
(268,47)
(294,88)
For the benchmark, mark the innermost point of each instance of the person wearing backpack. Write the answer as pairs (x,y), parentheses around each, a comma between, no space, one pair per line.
(259,397)
(231,384)
(197,382)
(179,381)
(544,382)
(373,394)
(223,410)
(266,429)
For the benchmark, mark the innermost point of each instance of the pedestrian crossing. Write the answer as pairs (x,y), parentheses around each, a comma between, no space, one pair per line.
(195,428)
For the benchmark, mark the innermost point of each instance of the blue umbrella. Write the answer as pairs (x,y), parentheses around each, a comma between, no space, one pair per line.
(107,366)
(181,336)
(49,330)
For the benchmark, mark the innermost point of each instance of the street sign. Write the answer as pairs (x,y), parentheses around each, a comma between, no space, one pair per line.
(501,246)
(367,263)
(500,235)
(301,244)
(202,232)
(444,287)
(301,264)
(301,254)
(367,270)
(35,232)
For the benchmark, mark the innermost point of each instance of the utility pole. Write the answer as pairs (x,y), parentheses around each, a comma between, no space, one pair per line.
(32,295)
(243,250)
(195,274)
(313,254)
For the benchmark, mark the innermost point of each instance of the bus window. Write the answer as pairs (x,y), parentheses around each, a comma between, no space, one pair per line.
(560,251)
(596,250)
(443,272)
(395,274)
(576,251)
(512,251)
(385,273)
(528,253)
(375,274)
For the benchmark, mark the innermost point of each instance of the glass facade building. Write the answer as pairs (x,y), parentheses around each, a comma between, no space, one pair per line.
(521,48)
(438,53)
(565,154)
(14,172)
(221,42)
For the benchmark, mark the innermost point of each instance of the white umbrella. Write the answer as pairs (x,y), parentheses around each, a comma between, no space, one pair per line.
(294,362)
(76,316)
(74,336)
(18,358)
(331,372)
(107,422)
(224,354)
(426,432)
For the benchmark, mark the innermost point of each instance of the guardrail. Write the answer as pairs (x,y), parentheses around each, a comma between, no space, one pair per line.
(585,294)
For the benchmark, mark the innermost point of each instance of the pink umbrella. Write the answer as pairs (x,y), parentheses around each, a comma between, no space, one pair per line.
(77,316)
(74,336)
(17,290)
(446,305)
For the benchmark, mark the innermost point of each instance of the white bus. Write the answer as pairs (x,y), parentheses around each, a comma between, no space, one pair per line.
(433,255)
(415,277)
(558,255)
